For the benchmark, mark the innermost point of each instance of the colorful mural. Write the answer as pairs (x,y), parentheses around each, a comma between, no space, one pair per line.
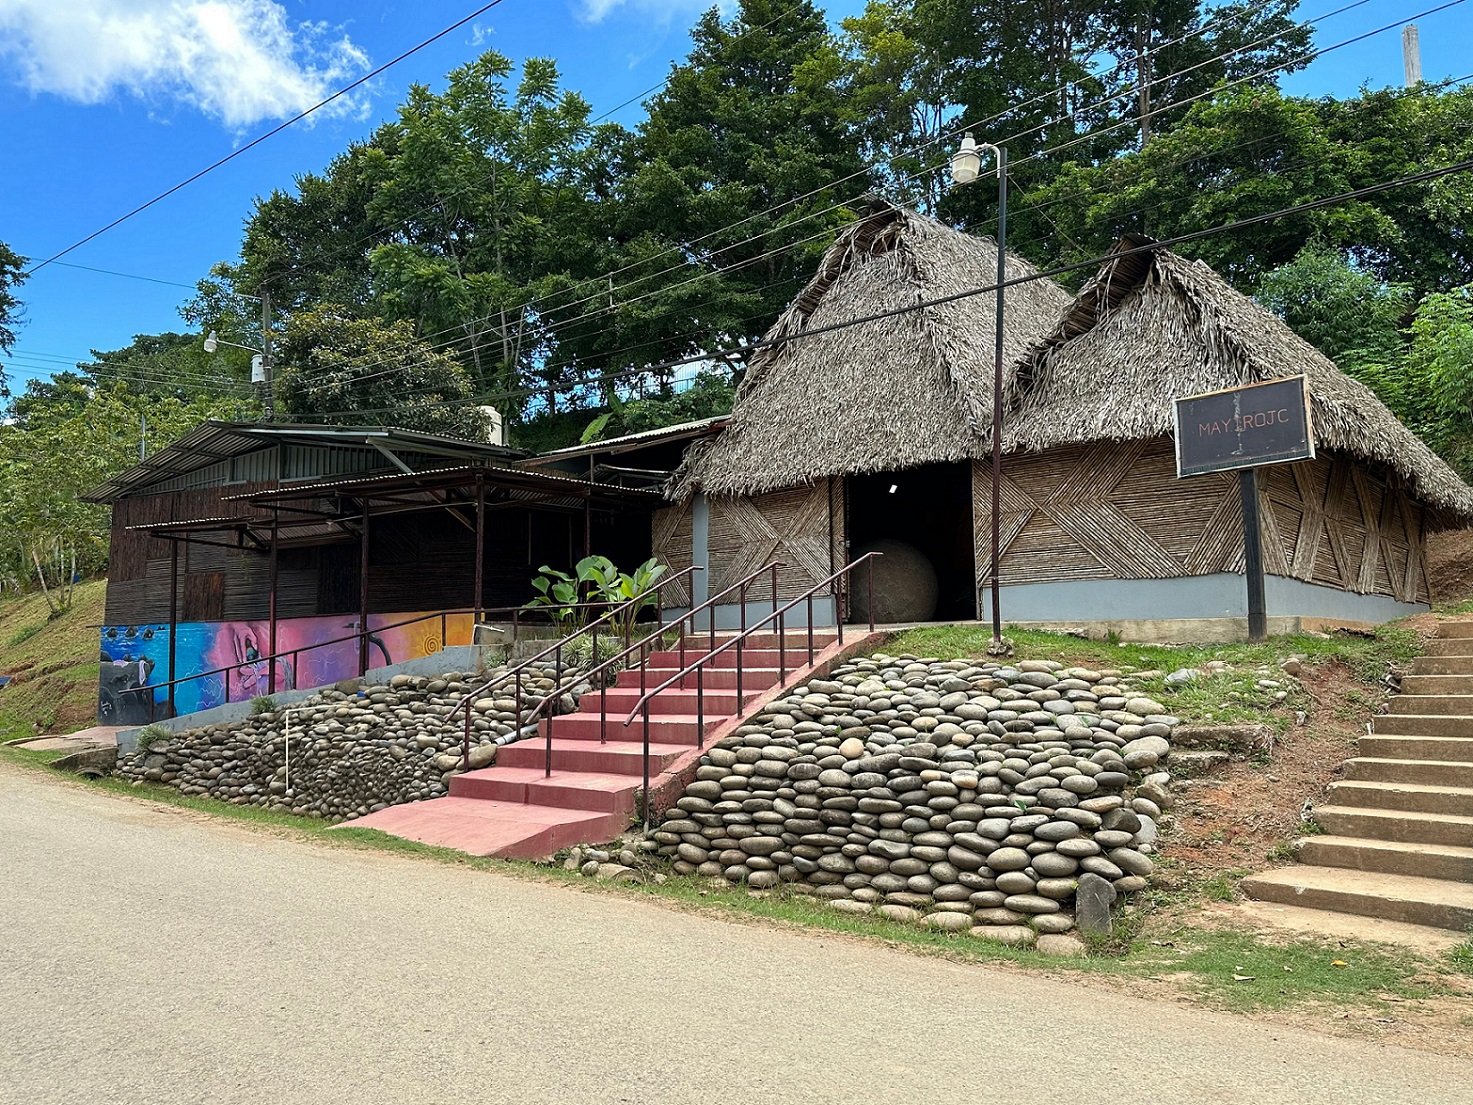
(229,659)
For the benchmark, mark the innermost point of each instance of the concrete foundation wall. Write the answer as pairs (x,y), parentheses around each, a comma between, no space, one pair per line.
(1194,598)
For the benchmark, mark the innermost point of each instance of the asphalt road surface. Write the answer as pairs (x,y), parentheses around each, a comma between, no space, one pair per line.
(149,956)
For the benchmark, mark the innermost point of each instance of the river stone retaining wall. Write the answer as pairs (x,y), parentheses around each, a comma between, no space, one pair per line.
(354,749)
(966,796)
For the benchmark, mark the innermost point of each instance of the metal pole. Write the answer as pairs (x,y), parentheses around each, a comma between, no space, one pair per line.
(266,354)
(480,572)
(271,607)
(174,625)
(1253,554)
(645,801)
(1002,265)
(363,596)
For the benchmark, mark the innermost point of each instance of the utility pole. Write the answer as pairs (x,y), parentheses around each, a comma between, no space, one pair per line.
(1411,55)
(142,435)
(266,354)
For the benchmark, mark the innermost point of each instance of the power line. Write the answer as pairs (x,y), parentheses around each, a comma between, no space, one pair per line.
(253,143)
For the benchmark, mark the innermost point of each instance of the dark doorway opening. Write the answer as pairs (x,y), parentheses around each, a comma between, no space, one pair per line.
(930,508)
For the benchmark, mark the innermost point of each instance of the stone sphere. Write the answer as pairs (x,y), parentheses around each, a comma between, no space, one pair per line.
(905,584)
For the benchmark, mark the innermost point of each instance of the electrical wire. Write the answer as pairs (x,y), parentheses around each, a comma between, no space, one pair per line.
(254,142)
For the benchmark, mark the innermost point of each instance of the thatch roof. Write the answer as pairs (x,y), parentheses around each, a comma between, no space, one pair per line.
(1152,326)
(892,393)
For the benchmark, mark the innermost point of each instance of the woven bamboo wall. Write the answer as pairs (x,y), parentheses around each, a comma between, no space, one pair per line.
(1115,510)
(792,527)
(670,542)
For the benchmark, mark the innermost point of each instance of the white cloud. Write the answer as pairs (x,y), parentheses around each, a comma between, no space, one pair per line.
(663,11)
(238,61)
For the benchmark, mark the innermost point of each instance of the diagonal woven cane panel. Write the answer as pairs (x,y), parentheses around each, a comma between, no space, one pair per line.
(1116,510)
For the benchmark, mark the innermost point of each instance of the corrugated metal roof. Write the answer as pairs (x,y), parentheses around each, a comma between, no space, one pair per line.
(497,477)
(213,441)
(632,441)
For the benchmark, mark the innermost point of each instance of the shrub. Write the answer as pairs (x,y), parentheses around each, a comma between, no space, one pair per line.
(149,735)
(262,704)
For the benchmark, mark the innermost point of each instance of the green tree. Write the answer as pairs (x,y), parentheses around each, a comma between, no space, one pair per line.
(172,364)
(69,436)
(341,370)
(12,276)
(1342,310)
(729,184)
(1253,151)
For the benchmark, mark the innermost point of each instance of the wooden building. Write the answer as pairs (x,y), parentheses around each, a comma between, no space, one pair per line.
(880,432)
(240,536)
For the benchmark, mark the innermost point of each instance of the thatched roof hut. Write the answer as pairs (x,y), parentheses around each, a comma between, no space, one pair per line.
(1152,326)
(912,389)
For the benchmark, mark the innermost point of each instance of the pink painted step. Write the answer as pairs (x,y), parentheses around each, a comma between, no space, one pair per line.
(676,700)
(617,757)
(573,790)
(518,810)
(514,830)
(754,680)
(664,728)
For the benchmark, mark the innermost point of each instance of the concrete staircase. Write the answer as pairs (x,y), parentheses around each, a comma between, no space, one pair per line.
(517,809)
(1398,830)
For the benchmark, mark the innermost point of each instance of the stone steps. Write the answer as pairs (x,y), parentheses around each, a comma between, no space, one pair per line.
(1442,665)
(1423,705)
(1398,841)
(1389,857)
(1423,725)
(1396,825)
(1404,797)
(1375,769)
(1436,903)
(1396,747)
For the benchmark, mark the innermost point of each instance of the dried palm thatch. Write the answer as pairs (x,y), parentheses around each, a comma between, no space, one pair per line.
(1152,326)
(912,389)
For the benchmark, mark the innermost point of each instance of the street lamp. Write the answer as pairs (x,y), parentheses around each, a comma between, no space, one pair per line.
(261,363)
(966,166)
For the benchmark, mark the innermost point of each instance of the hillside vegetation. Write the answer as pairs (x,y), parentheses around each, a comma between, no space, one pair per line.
(52,663)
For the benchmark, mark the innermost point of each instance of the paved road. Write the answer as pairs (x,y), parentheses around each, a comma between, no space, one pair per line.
(150,957)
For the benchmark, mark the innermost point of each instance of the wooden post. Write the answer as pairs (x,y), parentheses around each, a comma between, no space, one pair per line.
(174,622)
(271,606)
(1253,554)
(363,595)
(480,572)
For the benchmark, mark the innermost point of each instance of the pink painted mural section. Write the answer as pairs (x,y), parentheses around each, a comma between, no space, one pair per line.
(230,658)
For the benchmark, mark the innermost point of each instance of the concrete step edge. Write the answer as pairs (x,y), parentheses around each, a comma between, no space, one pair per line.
(1332,840)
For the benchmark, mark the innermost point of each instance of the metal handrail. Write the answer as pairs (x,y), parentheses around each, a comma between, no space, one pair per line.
(665,627)
(556,652)
(777,615)
(294,654)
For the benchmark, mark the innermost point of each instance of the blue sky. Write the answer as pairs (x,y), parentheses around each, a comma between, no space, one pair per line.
(107,102)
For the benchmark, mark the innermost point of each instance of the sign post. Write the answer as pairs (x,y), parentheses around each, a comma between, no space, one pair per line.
(1245,428)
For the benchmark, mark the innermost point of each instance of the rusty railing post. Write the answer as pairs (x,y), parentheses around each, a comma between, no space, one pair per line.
(870,576)
(557,677)
(465,744)
(645,801)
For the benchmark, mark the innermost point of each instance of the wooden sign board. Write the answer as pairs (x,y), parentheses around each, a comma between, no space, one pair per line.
(1244,427)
